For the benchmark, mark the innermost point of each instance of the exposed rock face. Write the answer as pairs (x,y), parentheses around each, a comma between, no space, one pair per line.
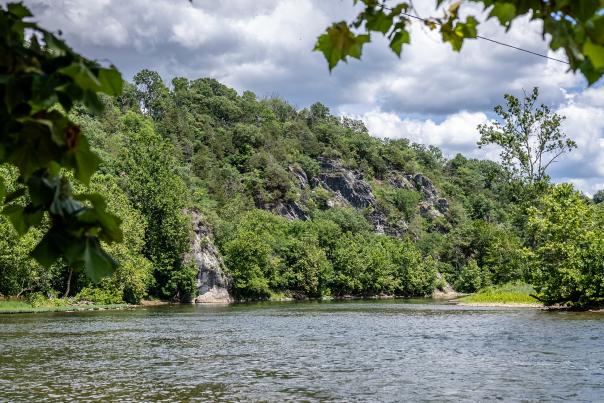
(300,175)
(401,182)
(433,206)
(347,184)
(425,186)
(212,282)
(446,291)
(290,210)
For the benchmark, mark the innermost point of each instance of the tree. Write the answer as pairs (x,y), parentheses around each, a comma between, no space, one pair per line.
(41,79)
(147,167)
(568,249)
(151,93)
(529,136)
(598,196)
(577,27)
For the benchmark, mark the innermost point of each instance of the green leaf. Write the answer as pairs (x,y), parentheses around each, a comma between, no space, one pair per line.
(379,22)
(398,40)
(338,42)
(22,218)
(47,251)
(595,54)
(19,10)
(505,13)
(111,81)
(92,101)
(97,263)
(86,162)
(82,76)
(595,30)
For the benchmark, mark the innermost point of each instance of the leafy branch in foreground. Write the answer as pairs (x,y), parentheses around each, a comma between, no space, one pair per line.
(41,79)
(577,27)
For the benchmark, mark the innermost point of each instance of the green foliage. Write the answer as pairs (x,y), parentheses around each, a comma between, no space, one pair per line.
(509,293)
(41,78)
(568,249)
(577,27)
(155,188)
(98,296)
(243,162)
(471,278)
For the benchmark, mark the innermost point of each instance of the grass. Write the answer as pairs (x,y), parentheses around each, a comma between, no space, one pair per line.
(12,306)
(514,293)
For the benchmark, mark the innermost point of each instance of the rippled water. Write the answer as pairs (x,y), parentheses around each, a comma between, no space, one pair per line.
(352,351)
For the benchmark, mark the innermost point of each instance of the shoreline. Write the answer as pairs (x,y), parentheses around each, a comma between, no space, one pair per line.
(69,308)
(499,304)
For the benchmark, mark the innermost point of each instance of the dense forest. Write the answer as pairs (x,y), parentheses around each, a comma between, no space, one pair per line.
(303,203)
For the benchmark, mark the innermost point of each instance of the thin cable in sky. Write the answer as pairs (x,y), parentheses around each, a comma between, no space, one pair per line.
(494,41)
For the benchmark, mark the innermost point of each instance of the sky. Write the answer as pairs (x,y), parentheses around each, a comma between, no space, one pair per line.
(430,95)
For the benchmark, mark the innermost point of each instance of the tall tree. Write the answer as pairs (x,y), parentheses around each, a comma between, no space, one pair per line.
(529,136)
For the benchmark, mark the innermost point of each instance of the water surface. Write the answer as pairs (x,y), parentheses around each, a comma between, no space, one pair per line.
(352,351)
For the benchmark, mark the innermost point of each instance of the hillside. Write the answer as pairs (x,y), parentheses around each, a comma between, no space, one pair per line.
(298,203)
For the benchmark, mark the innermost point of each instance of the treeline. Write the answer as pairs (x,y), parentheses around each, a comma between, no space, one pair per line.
(200,145)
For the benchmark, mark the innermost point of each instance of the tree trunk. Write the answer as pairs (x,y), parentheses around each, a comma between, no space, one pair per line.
(68,283)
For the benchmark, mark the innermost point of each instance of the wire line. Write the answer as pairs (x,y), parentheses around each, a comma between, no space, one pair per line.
(492,40)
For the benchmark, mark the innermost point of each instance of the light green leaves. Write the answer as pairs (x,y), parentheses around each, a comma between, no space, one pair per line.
(455,34)
(595,54)
(338,42)
(504,12)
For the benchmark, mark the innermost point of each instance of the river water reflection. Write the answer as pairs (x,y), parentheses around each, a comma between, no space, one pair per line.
(352,351)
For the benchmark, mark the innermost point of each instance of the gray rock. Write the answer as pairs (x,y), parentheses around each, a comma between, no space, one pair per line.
(427,210)
(300,175)
(442,205)
(213,284)
(290,210)
(425,185)
(350,185)
(400,182)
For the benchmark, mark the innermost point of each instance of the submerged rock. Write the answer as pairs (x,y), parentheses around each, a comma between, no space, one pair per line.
(213,284)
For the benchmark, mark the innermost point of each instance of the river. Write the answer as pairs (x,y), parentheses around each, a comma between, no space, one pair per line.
(339,351)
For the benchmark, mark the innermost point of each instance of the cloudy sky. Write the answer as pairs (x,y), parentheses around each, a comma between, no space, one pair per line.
(430,95)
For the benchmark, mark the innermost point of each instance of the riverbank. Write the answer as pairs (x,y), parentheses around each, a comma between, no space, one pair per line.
(16,307)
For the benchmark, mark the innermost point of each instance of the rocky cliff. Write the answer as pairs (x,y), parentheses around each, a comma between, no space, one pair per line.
(213,284)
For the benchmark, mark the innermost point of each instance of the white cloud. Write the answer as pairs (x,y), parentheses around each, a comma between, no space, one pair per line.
(431,94)
(456,133)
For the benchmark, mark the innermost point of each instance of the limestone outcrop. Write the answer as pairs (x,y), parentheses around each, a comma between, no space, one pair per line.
(213,283)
